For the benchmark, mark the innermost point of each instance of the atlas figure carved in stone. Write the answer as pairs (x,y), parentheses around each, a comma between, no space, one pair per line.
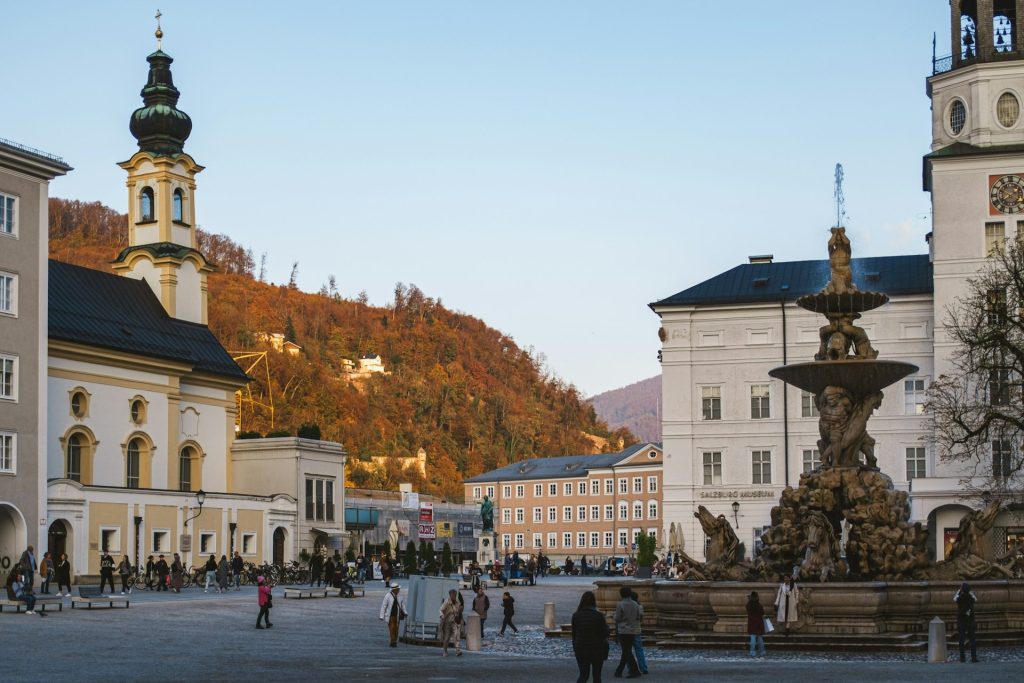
(842,425)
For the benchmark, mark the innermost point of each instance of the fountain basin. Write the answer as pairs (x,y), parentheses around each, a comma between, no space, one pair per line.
(859,376)
(847,302)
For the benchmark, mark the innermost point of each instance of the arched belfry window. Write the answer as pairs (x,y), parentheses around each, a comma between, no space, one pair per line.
(146,204)
(968,29)
(178,206)
(1004,20)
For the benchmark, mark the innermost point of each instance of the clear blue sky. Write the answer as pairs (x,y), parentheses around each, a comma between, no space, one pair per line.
(550,167)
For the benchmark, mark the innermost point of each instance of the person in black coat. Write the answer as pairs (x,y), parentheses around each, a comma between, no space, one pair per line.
(966,622)
(316,568)
(329,573)
(106,571)
(162,570)
(589,638)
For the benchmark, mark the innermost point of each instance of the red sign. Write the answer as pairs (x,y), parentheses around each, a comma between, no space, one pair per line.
(428,532)
(426,512)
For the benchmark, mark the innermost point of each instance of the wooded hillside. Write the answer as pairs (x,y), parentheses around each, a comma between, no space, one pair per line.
(633,407)
(463,391)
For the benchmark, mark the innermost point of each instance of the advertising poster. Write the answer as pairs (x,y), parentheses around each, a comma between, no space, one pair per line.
(948,539)
(427,532)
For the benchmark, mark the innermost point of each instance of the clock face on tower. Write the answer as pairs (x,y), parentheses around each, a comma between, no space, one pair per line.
(1007,194)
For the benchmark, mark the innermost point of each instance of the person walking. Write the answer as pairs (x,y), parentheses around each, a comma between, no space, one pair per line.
(150,571)
(28,566)
(265,599)
(237,567)
(223,569)
(211,572)
(106,570)
(589,638)
(392,611)
(966,622)
(638,642)
(786,604)
(628,615)
(316,569)
(531,570)
(162,570)
(755,625)
(124,570)
(481,603)
(63,575)
(451,622)
(329,572)
(177,569)
(45,573)
(22,591)
(508,607)
(386,571)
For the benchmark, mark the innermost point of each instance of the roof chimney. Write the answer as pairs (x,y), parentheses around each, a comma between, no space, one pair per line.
(763,258)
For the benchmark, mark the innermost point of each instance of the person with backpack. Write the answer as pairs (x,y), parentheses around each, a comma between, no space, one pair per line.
(124,570)
(63,570)
(508,605)
(265,600)
(106,570)
(966,622)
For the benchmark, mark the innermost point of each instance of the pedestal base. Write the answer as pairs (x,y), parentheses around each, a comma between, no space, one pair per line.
(485,549)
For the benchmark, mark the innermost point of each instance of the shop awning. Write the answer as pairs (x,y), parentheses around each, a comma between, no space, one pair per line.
(330,533)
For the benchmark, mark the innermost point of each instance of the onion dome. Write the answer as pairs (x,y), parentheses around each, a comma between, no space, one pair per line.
(159,126)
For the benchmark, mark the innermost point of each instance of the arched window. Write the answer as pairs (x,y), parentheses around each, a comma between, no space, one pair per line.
(185,469)
(146,204)
(1004,17)
(73,466)
(133,463)
(178,206)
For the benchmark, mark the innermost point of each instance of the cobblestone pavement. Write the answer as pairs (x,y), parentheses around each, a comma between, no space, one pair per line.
(193,636)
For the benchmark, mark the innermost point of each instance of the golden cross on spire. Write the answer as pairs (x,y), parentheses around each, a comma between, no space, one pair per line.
(159,32)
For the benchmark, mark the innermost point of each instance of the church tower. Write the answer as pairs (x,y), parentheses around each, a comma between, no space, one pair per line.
(975,171)
(162,246)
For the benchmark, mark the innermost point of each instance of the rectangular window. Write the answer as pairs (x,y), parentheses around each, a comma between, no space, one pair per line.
(552,489)
(207,542)
(319,498)
(652,484)
(538,514)
(161,541)
(609,512)
(711,403)
(132,467)
(567,488)
(538,490)
(913,397)
(506,515)
(520,490)
(808,408)
(995,238)
(581,539)
(623,538)
(609,538)
(812,460)
(110,539)
(638,484)
(520,516)
(915,463)
(536,540)
(552,540)
(652,510)
(712,468)
(519,540)
(759,532)
(623,485)
(8,380)
(595,487)
(762,464)
(506,491)
(310,499)
(248,543)
(567,539)
(8,294)
(760,408)
(506,540)
(581,488)
(552,514)
(638,510)
(609,486)
(329,500)
(995,307)
(999,386)
(595,539)
(581,513)
(476,493)
(595,513)
(8,215)
(1002,459)
(567,513)
(623,510)
(8,450)
(490,492)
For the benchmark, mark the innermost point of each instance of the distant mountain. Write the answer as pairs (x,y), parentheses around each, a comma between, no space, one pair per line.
(634,407)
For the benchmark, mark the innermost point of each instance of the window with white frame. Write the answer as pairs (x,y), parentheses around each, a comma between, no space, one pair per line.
(812,459)
(1002,459)
(915,462)
(623,485)
(536,540)
(207,542)
(8,293)
(506,491)
(913,396)
(638,510)
(538,514)
(808,408)
(581,513)
(8,215)
(995,238)
(759,532)
(476,493)
(595,487)
(609,538)
(581,539)
(520,516)
(638,484)
(595,513)
(711,403)
(609,486)
(538,490)
(490,492)
(552,514)
(636,534)
(595,539)
(581,488)
(519,540)
(8,452)
(248,543)
(623,538)
(320,499)
(567,513)
(712,468)
(609,512)
(552,540)
(162,540)
(567,489)
(567,539)
(652,484)
(760,407)
(652,509)
(110,539)
(653,532)
(552,489)
(762,467)
(506,515)
(520,490)
(506,541)
(623,510)
(8,378)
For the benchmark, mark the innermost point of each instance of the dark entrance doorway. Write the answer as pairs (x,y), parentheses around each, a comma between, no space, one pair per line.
(57,540)
(279,547)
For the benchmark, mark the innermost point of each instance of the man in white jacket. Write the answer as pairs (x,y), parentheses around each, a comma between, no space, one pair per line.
(392,611)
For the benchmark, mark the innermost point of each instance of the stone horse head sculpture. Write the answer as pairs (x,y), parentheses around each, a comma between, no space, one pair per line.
(822,556)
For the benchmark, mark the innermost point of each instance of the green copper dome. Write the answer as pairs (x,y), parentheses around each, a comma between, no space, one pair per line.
(159,126)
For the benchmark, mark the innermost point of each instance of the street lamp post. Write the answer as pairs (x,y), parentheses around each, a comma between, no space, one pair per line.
(138,549)
(736,513)
(200,499)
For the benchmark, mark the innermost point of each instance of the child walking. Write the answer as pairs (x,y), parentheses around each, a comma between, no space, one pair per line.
(265,600)
(508,603)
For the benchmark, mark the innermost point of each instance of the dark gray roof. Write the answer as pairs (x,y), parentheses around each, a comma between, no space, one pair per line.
(558,467)
(109,311)
(788,280)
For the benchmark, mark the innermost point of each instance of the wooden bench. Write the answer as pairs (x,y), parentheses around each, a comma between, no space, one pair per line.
(90,596)
(41,604)
(297,592)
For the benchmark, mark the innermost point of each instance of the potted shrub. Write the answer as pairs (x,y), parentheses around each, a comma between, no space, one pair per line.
(645,546)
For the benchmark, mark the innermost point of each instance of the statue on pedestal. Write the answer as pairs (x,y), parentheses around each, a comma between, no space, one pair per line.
(487,514)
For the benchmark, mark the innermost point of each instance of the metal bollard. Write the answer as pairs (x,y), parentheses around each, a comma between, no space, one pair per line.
(936,641)
(474,638)
(549,616)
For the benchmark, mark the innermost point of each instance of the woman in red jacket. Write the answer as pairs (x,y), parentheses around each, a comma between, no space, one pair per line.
(265,601)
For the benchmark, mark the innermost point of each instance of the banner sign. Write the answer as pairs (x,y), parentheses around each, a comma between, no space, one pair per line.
(410,500)
(426,512)
(427,531)
(444,529)
(185,543)
(464,529)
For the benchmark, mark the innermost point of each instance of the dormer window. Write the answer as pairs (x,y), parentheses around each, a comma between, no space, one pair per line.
(177,206)
(146,204)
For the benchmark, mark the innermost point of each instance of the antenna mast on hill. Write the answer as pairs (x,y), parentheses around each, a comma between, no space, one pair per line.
(838,194)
